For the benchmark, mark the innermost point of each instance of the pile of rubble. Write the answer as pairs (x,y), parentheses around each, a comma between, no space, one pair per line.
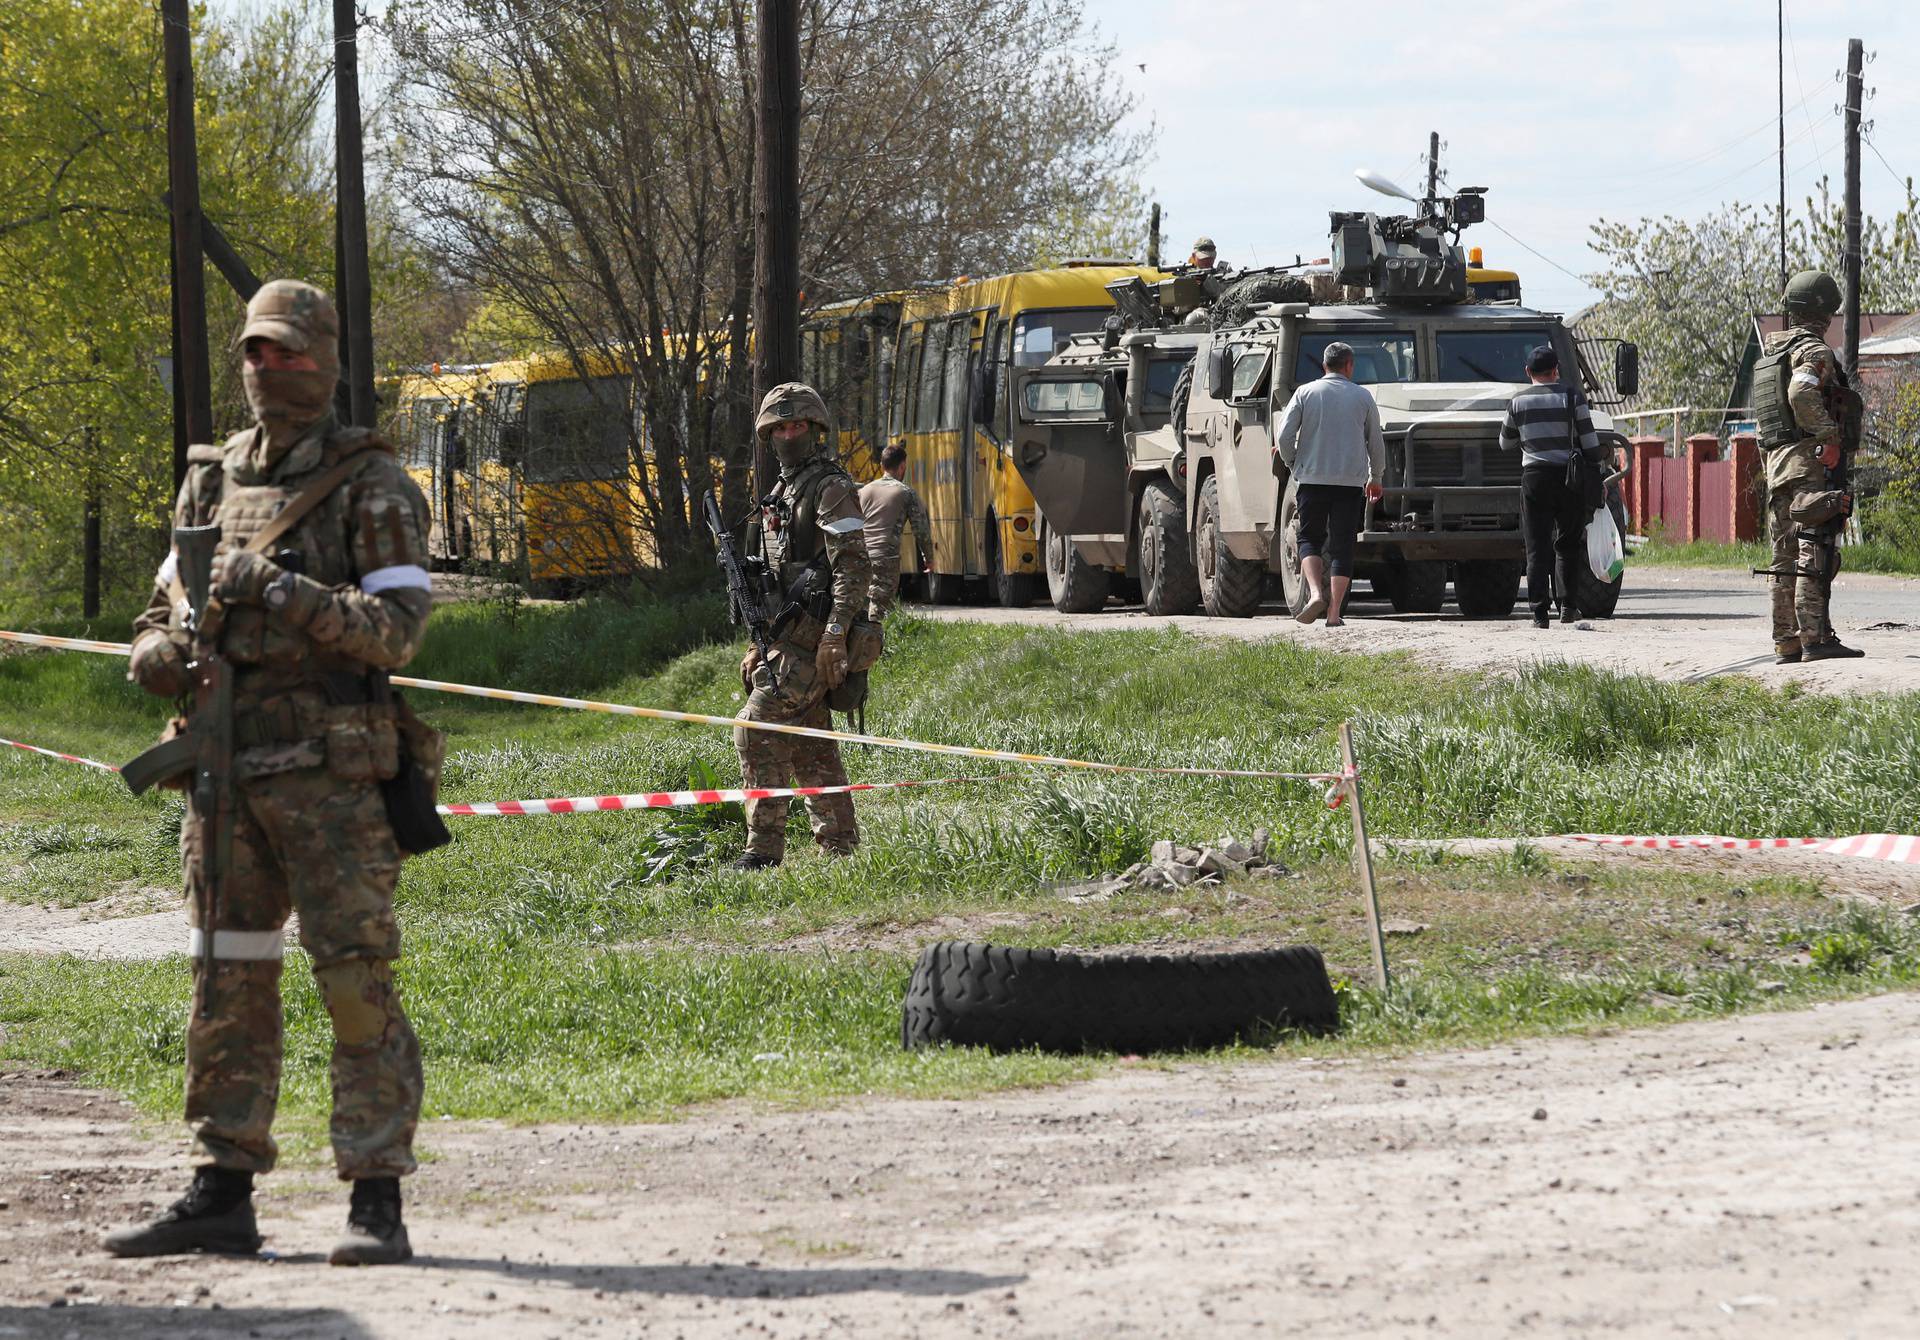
(1171,865)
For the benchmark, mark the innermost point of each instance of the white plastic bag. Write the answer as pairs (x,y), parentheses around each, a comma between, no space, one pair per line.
(1606,549)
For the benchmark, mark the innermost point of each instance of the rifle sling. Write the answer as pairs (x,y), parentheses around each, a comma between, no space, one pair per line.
(287,517)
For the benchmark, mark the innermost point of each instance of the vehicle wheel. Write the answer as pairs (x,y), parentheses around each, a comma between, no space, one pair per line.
(1074,585)
(1168,583)
(1293,582)
(1010,999)
(1230,587)
(1012,590)
(1419,588)
(1487,588)
(1177,405)
(945,588)
(1591,596)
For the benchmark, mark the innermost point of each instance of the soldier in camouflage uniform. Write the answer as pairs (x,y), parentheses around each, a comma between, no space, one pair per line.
(812,534)
(1805,505)
(889,504)
(346,592)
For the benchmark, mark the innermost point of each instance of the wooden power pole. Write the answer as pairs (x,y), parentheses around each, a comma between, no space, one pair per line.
(350,269)
(776,257)
(193,383)
(1153,236)
(1851,353)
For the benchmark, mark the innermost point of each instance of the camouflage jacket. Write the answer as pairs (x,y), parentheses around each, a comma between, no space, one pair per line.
(366,542)
(816,510)
(1814,364)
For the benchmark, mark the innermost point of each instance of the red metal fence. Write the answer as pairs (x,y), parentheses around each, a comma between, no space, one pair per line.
(1697,495)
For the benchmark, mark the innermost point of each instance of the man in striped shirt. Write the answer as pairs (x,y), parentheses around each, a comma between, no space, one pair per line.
(1544,423)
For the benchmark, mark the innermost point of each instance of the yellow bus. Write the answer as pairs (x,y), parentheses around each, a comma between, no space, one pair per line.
(847,354)
(429,415)
(945,395)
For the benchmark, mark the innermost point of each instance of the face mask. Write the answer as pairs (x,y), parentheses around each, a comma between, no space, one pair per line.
(287,401)
(793,452)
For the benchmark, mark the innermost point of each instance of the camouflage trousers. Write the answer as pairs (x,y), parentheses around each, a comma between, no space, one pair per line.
(797,697)
(307,842)
(883,587)
(1799,601)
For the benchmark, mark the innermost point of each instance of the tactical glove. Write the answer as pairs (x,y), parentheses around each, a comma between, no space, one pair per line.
(242,577)
(1830,455)
(158,664)
(748,664)
(830,661)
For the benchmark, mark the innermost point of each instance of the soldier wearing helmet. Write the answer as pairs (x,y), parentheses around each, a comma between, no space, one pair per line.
(812,534)
(1809,420)
(311,606)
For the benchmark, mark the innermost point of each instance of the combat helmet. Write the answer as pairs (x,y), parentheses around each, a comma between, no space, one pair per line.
(1812,296)
(792,400)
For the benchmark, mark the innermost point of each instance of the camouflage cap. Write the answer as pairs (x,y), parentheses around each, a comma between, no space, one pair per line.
(1203,246)
(295,314)
(790,401)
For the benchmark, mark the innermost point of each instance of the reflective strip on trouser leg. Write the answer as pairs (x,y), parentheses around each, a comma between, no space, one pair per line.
(239,946)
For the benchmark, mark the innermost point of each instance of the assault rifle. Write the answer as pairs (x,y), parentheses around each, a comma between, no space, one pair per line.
(746,580)
(205,747)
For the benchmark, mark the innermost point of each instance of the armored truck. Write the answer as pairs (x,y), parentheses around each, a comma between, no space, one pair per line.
(1441,367)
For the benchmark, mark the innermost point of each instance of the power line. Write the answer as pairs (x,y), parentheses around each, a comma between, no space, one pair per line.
(1800,86)
(1548,259)
(1905,183)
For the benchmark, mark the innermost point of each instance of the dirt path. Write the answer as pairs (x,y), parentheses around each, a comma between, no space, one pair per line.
(1746,1176)
(1673,623)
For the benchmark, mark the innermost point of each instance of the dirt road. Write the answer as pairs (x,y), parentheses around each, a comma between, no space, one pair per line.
(1749,1176)
(1673,623)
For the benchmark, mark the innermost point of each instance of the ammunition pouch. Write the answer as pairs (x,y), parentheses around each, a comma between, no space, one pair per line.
(851,696)
(797,626)
(362,743)
(1817,511)
(865,643)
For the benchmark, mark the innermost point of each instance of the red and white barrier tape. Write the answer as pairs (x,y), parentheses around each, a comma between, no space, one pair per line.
(776,727)
(639,800)
(1902,847)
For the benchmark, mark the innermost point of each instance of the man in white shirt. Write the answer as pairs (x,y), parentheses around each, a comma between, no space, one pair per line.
(1330,440)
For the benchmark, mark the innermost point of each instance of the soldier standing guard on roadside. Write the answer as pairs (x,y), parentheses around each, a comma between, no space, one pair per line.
(813,537)
(307,634)
(889,504)
(1808,420)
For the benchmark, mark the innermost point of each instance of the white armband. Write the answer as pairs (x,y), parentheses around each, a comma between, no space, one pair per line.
(169,569)
(402,576)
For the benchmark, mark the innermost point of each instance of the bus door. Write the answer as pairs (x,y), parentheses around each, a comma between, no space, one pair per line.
(1068,448)
(959,439)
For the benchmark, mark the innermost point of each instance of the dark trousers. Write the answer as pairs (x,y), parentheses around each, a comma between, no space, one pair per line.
(1555,523)
(1330,517)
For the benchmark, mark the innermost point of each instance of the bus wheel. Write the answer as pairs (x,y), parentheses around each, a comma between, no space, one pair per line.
(1011,590)
(945,588)
(1230,587)
(1168,583)
(1074,585)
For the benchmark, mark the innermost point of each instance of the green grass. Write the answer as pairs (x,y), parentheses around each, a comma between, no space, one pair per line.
(610,965)
(1871,555)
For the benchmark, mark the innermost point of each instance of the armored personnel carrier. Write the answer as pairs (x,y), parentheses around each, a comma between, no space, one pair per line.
(1106,459)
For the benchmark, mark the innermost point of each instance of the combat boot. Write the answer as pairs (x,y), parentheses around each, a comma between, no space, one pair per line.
(1786,653)
(753,860)
(216,1215)
(1831,651)
(375,1236)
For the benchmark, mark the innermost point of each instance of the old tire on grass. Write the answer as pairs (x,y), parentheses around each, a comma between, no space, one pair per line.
(983,995)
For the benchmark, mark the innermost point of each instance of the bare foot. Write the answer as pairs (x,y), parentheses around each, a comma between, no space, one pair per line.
(1316,606)
(1335,621)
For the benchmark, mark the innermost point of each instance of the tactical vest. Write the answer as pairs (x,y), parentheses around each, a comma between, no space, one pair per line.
(790,536)
(1772,384)
(278,654)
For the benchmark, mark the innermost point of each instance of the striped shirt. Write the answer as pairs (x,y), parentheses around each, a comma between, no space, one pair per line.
(1537,424)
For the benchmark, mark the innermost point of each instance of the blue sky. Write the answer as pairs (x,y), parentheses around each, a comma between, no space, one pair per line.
(1565,112)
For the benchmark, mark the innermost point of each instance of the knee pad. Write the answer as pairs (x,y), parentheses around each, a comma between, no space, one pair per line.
(359,996)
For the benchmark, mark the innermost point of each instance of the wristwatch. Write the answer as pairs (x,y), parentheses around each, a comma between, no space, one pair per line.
(279,591)
(836,630)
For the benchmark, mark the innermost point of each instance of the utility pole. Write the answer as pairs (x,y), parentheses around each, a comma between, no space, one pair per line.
(776,256)
(193,396)
(1780,62)
(1851,353)
(350,267)
(1433,165)
(1153,236)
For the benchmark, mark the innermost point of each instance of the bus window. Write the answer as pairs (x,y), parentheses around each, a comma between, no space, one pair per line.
(1487,355)
(992,400)
(906,378)
(577,430)
(1378,356)
(417,450)
(1039,335)
(959,345)
(933,367)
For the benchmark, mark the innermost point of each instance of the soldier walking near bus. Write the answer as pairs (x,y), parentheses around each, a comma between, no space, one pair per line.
(889,504)
(319,587)
(812,536)
(1809,421)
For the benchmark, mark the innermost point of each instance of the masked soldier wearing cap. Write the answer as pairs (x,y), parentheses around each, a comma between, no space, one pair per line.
(343,593)
(812,535)
(1809,422)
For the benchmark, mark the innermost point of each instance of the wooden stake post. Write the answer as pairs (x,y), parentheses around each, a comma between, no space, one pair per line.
(1363,858)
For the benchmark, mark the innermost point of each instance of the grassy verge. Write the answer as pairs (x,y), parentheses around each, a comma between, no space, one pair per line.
(609,965)
(1867,556)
